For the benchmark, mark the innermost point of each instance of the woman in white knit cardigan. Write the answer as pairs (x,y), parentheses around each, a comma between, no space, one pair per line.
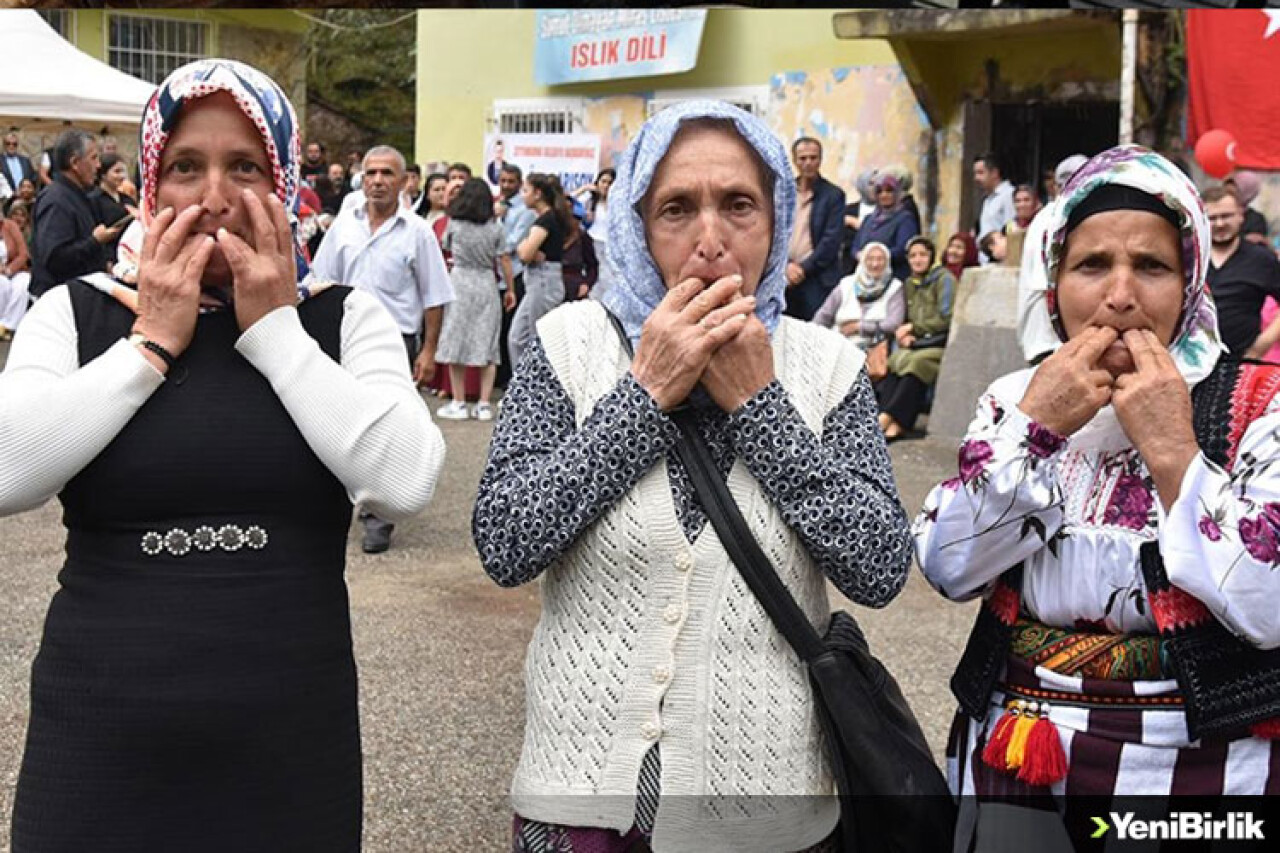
(664,709)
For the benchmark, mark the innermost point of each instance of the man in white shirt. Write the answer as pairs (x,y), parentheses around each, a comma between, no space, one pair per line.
(382,247)
(1035,332)
(997,206)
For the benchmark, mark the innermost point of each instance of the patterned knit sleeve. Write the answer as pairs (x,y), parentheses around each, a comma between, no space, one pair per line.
(1221,538)
(547,479)
(836,492)
(1004,506)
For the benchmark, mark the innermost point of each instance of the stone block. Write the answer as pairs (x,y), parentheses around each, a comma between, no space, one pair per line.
(982,346)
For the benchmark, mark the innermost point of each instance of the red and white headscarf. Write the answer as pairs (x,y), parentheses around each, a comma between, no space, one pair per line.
(261,100)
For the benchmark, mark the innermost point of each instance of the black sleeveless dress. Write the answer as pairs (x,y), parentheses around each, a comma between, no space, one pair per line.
(195,690)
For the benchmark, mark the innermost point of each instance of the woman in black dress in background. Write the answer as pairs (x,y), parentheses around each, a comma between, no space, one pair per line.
(110,203)
(195,688)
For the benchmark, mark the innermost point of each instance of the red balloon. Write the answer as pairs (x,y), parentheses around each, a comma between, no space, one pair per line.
(1216,153)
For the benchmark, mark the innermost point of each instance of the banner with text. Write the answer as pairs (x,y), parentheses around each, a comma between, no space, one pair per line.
(579,45)
(573,156)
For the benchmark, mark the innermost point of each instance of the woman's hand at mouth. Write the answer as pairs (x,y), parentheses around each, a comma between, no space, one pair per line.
(1069,387)
(680,336)
(169,272)
(1153,406)
(264,275)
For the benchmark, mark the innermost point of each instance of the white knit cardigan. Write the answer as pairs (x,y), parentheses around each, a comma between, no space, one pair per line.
(646,639)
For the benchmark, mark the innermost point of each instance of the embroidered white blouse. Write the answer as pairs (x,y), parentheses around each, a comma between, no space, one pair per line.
(1076,511)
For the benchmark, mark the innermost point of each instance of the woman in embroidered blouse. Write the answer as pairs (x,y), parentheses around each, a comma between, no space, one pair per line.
(653,669)
(206,435)
(1117,530)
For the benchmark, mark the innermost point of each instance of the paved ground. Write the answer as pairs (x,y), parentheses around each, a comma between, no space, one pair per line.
(440,650)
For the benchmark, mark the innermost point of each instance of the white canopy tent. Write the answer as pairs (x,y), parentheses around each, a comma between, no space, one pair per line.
(47,84)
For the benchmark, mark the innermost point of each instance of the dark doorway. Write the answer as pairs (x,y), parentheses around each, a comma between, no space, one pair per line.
(1032,138)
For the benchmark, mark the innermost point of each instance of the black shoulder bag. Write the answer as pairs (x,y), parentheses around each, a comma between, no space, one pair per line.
(893,799)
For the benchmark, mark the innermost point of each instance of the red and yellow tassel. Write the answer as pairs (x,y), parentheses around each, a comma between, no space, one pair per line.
(1026,741)
(996,748)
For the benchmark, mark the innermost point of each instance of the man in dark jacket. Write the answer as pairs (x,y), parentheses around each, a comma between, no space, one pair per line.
(17,166)
(813,255)
(68,240)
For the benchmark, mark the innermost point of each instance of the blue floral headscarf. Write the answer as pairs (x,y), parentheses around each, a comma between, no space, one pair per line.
(638,286)
(261,100)
(1196,344)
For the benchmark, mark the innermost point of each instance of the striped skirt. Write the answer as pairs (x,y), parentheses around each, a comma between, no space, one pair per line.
(1120,738)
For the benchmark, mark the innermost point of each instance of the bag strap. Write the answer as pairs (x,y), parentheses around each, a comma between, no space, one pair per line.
(736,537)
(741,545)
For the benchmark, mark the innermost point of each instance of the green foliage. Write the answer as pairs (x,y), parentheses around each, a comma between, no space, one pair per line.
(362,63)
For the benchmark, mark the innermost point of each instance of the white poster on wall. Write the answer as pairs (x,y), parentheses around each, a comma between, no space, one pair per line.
(575,157)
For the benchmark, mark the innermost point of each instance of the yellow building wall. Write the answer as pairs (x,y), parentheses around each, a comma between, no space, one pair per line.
(90,25)
(740,47)
(270,40)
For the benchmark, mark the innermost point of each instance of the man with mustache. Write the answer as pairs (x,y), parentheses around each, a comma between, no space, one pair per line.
(382,247)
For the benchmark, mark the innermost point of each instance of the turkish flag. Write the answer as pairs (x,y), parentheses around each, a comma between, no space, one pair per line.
(1233,73)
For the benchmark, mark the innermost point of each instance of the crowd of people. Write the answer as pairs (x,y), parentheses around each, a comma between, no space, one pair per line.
(223,362)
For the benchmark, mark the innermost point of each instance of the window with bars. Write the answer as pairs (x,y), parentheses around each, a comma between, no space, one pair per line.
(59,19)
(752,99)
(151,48)
(538,116)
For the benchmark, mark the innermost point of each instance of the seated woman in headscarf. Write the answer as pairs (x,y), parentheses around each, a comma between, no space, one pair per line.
(914,365)
(1118,509)
(656,684)
(960,254)
(206,435)
(892,223)
(869,305)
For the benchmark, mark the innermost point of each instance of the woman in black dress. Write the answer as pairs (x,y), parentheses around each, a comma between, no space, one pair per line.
(195,688)
(111,205)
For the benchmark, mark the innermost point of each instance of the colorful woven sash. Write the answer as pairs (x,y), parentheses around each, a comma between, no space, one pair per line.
(1113,657)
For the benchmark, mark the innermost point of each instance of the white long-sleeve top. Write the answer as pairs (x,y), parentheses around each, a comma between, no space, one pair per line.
(1077,517)
(362,417)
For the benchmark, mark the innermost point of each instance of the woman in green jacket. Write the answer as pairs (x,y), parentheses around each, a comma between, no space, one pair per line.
(914,365)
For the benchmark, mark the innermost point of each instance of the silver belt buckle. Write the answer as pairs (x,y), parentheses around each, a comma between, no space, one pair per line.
(177,542)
